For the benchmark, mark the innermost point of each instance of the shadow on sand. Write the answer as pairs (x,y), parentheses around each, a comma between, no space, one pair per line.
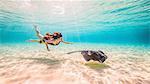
(96,65)
(43,60)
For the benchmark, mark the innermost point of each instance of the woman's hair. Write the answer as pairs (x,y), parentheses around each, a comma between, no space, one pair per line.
(58,34)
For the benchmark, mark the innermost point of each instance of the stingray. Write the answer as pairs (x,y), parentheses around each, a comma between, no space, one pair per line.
(92,55)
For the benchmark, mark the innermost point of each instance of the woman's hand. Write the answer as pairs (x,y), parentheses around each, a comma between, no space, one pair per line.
(66,42)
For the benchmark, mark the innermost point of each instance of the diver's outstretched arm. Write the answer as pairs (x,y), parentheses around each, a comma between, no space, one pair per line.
(65,42)
(39,41)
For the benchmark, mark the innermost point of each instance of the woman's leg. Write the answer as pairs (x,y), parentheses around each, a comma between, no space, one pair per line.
(47,46)
(39,35)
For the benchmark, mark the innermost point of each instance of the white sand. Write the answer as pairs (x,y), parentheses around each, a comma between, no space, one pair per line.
(32,64)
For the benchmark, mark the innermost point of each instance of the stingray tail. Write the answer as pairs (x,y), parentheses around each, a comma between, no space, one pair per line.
(73,52)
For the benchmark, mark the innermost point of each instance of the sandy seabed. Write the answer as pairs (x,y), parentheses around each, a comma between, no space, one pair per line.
(32,64)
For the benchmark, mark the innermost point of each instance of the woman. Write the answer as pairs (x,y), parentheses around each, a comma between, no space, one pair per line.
(54,39)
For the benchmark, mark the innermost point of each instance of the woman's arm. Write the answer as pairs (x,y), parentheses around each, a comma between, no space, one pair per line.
(65,42)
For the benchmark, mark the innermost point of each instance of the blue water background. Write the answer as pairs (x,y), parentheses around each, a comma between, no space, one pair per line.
(95,21)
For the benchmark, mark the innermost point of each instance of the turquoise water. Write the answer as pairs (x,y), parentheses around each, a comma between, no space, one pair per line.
(91,21)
